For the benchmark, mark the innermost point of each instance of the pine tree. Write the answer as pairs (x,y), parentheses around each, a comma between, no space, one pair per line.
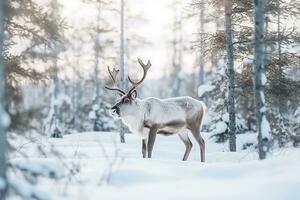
(36,32)
(279,65)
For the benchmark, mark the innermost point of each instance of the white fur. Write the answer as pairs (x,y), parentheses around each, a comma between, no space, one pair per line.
(158,111)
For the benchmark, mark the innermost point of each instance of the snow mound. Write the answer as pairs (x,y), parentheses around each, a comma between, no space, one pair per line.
(224,175)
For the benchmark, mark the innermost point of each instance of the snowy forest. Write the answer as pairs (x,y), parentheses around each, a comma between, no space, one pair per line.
(88,88)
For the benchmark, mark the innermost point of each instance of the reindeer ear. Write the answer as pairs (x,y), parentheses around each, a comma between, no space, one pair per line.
(133,94)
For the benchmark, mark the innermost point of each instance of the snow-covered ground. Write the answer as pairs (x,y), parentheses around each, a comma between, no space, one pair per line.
(96,166)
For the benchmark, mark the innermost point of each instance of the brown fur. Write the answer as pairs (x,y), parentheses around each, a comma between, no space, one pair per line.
(193,123)
(165,133)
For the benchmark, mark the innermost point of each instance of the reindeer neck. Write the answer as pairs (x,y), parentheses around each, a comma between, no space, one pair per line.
(135,121)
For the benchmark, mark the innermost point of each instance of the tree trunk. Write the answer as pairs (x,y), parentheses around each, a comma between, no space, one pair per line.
(278,30)
(174,75)
(3,115)
(230,75)
(201,56)
(56,117)
(280,100)
(97,51)
(56,133)
(96,100)
(260,80)
(122,73)
(178,45)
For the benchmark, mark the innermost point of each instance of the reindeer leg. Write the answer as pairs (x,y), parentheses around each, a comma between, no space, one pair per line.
(151,139)
(188,145)
(144,148)
(201,142)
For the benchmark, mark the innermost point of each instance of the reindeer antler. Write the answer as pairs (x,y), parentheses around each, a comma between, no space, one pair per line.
(145,70)
(113,75)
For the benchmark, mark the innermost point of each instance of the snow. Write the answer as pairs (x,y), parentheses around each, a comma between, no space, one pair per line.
(263,79)
(181,75)
(38,168)
(61,98)
(204,88)
(28,191)
(2,183)
(225,117)
(92,114)
(265,128)
(297,112)
(4,118)
(221,127)
(263,109)
(96,107)
(107,169)
(246,139)
(262,97)
(248,61)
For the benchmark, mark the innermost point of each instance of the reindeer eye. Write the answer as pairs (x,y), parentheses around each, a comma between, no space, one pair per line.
(126,100)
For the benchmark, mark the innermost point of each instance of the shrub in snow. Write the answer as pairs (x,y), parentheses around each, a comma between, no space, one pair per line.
(100,117)
(220,127)
(285,128)
(56,133)
(247,145)
(220,131)
(295,126)
(32,171)
(214,94)
(279,129)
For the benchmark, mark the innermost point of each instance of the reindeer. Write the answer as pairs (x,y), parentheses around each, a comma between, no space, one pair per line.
(151,116)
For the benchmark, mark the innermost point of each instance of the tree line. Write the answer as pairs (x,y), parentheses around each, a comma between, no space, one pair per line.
(245,69)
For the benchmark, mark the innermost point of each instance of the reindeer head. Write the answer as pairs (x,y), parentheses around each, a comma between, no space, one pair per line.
(126,105)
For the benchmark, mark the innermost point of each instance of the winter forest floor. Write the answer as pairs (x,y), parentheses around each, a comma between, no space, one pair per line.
(96,166)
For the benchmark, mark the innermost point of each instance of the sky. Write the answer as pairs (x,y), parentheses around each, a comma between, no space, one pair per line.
(155,29)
